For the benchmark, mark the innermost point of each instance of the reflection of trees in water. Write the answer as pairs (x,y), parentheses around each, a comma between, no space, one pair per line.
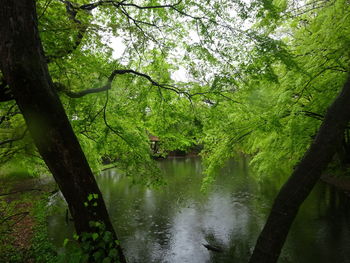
(338,215)
(211,240)
(238,250)
(332,203)
(321,228)
(336,222)
(170,224)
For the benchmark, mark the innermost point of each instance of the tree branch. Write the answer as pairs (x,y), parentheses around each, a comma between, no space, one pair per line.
(313,115)
(300,94)
(22,214)
(48,2)
(15,139)
(6,116)
(5,92)
(117,4)
(72,13)
(106,87)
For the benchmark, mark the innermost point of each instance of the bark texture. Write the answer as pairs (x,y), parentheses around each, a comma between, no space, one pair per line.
(303,179)
(24,67)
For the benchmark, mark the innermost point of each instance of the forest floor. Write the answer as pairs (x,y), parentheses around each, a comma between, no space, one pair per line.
(23,219)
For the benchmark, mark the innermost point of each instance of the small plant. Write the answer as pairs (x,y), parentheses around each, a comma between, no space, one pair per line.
(99,246)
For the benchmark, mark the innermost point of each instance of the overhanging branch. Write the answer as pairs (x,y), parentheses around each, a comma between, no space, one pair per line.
(15,139)
(106,87)
(118,4)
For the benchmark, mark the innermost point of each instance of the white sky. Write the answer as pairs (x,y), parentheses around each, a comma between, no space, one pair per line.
(118,47)
(116,43)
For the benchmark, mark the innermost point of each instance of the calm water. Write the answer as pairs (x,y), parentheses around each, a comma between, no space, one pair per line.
(171,224)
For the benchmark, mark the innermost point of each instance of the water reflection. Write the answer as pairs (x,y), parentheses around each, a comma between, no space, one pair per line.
(171,224)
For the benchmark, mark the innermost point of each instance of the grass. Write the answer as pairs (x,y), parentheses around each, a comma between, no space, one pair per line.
(12,173)
(41,249)
(23,226)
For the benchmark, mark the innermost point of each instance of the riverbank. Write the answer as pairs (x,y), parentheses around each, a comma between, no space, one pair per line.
(28,240)
(341,183)
(23,224)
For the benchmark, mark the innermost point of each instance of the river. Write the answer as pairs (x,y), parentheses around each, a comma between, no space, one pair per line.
(171,224)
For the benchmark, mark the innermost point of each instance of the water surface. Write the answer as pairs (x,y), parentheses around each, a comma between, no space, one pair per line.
(171,224)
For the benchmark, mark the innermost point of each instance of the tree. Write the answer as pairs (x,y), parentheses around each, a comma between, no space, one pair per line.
(33,74)
(303,179)
(277,114)
(331,136)
(24,67)
(265,99)
(84,72)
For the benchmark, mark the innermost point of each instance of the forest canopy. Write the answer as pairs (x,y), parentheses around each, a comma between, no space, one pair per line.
(259,77)
(281,111)
(101,79)
(262,90)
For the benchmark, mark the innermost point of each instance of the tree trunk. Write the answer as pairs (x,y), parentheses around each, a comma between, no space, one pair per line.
(303,179)
(24,67)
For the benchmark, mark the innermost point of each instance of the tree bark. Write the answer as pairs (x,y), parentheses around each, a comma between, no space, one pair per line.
(303,179)
(24,67)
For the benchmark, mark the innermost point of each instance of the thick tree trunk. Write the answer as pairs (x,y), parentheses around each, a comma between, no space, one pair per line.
(303,179)
(25,70)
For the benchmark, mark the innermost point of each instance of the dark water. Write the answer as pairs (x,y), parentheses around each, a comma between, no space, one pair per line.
(171,224)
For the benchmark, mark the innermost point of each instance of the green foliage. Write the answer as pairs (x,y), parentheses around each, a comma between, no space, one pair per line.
(204,40)
(8,252)
(280,110)
(13,213)
(42,250)
(260,77)
(98,246)
(16,145)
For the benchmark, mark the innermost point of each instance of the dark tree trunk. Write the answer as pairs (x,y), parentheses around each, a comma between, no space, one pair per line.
(303,179)
(24,67)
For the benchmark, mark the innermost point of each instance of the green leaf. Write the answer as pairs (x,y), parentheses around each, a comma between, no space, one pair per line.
(107,236)
(90,197)
(65,241)
(95,236)
(113,253)
(98,256)
(107,260)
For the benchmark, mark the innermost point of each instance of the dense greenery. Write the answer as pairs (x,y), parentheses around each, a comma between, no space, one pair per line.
(115,124)
(259,78)
(24,236)
(276,113)
(262,96)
